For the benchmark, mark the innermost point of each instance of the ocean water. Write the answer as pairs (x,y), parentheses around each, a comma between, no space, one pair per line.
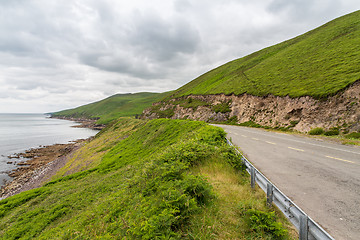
(20,132)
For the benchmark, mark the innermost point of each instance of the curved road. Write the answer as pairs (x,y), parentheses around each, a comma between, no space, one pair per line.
(322,178)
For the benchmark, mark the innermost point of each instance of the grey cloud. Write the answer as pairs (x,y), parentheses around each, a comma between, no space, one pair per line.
(130,65)
(161,40)
(305,10)
(145,44)
(5,93)
(181,5)
(81,51)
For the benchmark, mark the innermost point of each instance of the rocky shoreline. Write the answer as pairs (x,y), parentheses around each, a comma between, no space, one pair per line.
(37,165)
(84,122)
(40,164)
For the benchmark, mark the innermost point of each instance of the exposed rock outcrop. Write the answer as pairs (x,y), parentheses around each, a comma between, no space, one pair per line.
(302,114)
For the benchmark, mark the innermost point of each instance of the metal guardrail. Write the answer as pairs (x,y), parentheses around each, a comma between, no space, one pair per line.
(308,228)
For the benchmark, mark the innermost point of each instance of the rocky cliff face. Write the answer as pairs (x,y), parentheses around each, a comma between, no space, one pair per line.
(302,114)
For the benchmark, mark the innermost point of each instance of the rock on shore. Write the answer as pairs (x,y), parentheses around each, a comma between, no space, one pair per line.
(40,165)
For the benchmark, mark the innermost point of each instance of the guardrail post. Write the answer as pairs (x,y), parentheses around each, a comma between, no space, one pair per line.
(300,220)
(252,177)
(242,159)
(269,194)
(303,231)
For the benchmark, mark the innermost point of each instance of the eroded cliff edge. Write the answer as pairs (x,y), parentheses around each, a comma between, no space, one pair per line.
(340,111)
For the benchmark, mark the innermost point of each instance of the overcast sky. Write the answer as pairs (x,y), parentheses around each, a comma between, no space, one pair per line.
(59,54)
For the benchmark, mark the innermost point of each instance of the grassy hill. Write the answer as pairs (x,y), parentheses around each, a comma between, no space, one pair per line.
(161,179)
(119,105)
(318,63)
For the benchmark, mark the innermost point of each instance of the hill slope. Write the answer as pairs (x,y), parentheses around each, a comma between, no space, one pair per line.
(163,179)
(307,82)
(119,105)
(318,64)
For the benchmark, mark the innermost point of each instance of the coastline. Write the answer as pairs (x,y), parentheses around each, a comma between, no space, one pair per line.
(84,122)
(43,162)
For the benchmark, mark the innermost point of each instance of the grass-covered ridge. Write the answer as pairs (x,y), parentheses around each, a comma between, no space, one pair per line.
(119,105)
(318,63)
(160,179)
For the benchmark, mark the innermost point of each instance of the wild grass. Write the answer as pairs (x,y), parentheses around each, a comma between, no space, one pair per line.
(225,218)
(318,63)
(152,180)
(316,131)
(89,156)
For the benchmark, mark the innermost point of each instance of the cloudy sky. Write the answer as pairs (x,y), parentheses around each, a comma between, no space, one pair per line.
(59,54)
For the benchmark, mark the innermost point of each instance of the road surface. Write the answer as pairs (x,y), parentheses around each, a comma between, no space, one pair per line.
(322,178)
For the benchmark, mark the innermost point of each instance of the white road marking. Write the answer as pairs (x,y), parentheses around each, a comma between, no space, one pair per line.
(297,149)
(287,139)
(270,142)
(340,159)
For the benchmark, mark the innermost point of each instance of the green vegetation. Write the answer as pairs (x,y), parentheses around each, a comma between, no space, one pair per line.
(251,124)
(316,131)
(318,63)
(221,107)
(321,131)
(226,217)
(163,112)
(160,179)
(166,109)
(264,222)
(191,103)
(111,108)
(232,120)
(355,135)
(332,132)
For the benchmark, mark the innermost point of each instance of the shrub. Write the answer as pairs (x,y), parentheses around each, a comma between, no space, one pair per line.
(284,129)
(316,131)
(233,159)
(294,123)
(233,120)
(332,132)
(166,113)
(250,124)
(191,103)
(169,194)
(264,222)
(355,135)
(221,107)
(346,131)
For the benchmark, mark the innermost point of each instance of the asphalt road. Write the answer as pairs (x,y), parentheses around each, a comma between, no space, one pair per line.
(322,178)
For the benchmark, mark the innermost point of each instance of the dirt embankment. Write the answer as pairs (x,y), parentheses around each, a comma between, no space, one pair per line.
(302,114)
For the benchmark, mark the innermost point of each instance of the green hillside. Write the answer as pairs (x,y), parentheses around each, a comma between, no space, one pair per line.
(162,179)
(119,105)
(318,63)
